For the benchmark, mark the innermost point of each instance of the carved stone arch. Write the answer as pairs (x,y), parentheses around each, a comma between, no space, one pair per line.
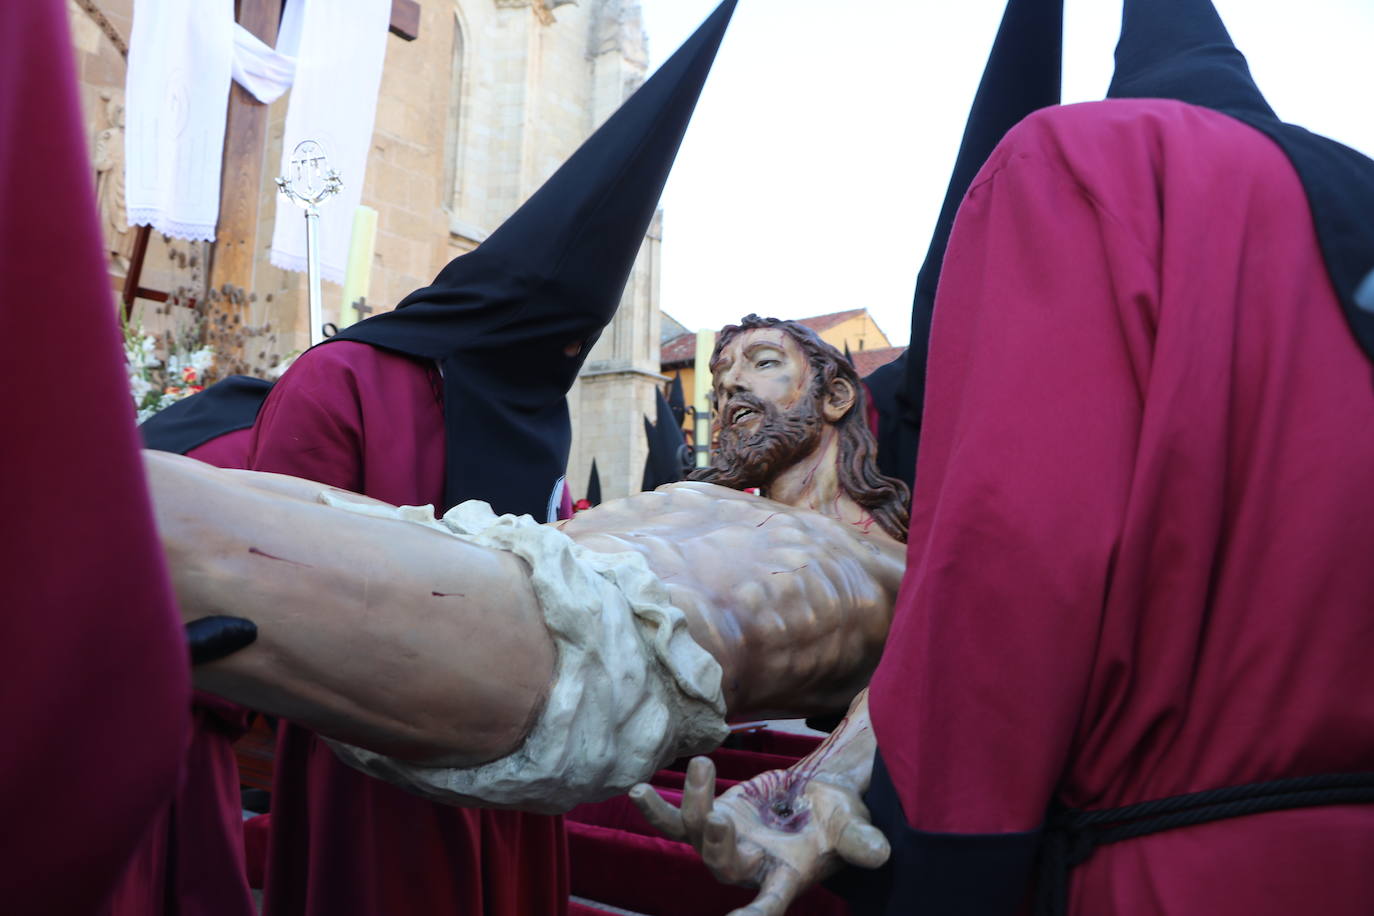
(542,9)
(618,26)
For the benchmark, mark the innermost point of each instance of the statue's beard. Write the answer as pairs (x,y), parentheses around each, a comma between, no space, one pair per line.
(754,457)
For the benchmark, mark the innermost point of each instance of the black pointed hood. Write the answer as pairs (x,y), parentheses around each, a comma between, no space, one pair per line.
(667,447)
(498,319)
(1179,49)
(1023,75)
(677,402)
(594,486)
(226,406)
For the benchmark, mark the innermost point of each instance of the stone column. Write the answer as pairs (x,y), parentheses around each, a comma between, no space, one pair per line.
(617,386)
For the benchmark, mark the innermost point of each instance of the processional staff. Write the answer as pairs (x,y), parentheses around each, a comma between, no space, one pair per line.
(311,183)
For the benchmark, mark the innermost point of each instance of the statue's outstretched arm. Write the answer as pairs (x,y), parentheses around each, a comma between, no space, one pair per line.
(377,632)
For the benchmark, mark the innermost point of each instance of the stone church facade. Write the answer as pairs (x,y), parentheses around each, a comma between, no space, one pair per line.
(473,115)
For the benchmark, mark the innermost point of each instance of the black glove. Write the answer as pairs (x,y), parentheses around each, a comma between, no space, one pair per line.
(212,638)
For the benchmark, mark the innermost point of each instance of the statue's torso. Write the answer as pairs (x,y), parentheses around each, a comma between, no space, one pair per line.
(785,598)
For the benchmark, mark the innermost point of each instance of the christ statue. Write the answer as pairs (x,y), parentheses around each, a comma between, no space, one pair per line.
(496,661)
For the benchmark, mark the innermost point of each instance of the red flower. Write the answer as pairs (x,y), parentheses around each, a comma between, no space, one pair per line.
(188,374)
(197,389)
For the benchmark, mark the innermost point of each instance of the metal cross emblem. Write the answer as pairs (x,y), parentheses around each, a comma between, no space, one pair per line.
(311,178)
(310,184)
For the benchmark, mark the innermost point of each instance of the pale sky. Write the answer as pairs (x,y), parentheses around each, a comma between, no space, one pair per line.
(817,160)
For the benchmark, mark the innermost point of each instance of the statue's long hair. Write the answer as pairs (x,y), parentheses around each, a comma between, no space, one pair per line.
(887,499)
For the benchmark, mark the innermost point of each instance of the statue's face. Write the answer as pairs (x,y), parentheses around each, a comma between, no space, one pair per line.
(765,405)
(765,362)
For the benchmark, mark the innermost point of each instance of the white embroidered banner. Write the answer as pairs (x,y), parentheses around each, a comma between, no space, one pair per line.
(176,99)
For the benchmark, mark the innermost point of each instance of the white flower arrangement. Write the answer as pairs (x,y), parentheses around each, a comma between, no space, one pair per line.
(155,386)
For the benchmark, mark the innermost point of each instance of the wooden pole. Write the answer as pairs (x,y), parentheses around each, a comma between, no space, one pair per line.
(135,271)
(405,19)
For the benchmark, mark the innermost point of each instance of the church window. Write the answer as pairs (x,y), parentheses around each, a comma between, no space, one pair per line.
(453,145)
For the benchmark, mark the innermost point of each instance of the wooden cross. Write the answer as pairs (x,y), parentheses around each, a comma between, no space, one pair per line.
(245,149)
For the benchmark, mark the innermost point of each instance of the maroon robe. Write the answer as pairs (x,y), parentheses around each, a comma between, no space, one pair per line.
(227,451)
(192,861)
(1141,537)
(93,663)
(370,421)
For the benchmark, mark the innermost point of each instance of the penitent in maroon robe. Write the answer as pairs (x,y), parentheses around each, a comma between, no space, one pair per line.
(94,685)
(1142,538)
(191,862)
(342,843)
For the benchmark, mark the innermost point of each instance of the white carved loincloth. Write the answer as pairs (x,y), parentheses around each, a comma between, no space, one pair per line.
(632,688)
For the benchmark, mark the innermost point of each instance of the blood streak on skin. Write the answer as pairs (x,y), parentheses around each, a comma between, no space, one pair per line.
(779,572)
(765,521)
(448,594)
(263,553)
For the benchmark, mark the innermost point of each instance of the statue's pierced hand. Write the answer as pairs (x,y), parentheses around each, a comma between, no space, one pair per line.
(781,831)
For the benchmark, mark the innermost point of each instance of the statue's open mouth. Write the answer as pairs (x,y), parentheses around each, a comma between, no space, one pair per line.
(741,413)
